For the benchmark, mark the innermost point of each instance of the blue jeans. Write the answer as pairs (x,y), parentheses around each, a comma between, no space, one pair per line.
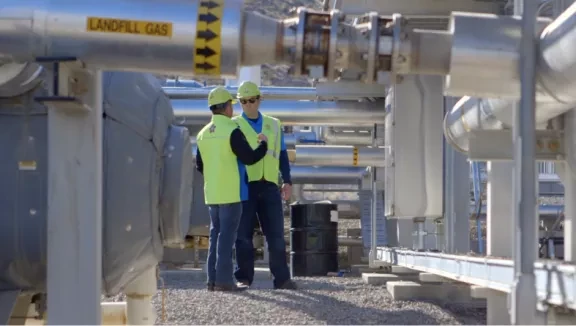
(224,220)
(265,204)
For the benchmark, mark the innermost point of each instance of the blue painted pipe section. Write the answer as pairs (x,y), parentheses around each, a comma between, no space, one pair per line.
(478,201)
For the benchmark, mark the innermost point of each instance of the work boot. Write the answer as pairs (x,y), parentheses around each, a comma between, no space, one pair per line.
(229,288)
(243,284)
(288,285)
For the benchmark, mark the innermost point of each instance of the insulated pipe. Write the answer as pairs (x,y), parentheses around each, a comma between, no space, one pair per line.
(339,156)
(471,113)
(326,174)
(304,113)
(291,139)
(273,93)
(345,138)
(157,36)
(556,73)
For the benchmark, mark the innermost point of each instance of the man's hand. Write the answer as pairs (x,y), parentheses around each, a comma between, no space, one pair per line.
(286,191)
(262,137)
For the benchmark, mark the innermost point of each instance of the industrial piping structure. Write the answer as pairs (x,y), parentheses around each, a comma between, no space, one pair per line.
(412,53)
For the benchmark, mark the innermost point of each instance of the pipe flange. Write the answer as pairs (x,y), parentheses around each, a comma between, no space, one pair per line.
(299,46)
(373,42)
(335,18)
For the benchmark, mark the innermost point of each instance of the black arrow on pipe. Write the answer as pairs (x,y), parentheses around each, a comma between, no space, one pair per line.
(204,66)
(209,4)
(208,18)
(208,35)
(206,52)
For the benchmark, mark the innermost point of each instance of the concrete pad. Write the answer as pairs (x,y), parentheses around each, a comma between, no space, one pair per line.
(480,292)
(381,279)
(408,290)
(433,278)
(403,270)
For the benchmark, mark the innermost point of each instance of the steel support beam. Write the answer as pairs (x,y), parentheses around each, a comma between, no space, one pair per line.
(75,197)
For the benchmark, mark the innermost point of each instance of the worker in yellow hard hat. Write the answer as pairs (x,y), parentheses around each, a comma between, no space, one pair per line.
(222,154)
(265,194)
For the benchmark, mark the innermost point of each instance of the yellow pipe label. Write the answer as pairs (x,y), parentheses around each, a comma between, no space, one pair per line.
(355,156)
(125,26)
(208,41)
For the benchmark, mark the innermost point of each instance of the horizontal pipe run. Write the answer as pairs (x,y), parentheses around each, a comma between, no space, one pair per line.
(159,37)
(326,174)
(339,156)
(303,113)
(332,137)
(556,82)
(273,93)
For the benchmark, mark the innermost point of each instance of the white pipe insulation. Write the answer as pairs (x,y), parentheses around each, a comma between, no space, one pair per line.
(556,81)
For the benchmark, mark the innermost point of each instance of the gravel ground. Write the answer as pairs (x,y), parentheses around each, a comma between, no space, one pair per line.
(332,301)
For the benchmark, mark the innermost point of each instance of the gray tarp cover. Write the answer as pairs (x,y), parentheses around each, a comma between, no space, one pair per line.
(137,125)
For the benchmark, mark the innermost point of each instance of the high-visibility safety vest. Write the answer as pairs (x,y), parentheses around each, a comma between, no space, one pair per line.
(269,167)
(224,174)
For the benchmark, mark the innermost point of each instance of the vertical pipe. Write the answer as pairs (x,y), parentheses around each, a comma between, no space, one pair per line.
(373,209)
(139,293)
(524,138)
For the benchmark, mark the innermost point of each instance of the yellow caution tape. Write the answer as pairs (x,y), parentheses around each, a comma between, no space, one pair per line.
(208,41)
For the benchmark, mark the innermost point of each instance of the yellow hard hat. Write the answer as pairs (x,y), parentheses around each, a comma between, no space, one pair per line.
(248,89)
(220,95)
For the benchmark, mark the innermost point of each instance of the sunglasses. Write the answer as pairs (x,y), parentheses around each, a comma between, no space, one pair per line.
(251,100)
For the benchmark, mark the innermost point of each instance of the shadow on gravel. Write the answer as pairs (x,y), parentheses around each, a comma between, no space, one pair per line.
(336,312)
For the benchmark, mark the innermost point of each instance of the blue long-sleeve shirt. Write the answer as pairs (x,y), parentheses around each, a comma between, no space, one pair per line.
(284,161)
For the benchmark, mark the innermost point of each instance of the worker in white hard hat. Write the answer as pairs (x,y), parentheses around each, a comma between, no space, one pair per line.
(265,194)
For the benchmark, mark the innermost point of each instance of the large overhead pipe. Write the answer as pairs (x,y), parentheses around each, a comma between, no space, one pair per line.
(273,93)
(339,156)
(156,36)
(556,83)
(326,174)
(304,113)
(187,89)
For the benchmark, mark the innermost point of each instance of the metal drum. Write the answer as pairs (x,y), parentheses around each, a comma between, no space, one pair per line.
(314,239)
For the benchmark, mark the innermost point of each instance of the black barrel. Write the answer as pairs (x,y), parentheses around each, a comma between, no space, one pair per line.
(314,239)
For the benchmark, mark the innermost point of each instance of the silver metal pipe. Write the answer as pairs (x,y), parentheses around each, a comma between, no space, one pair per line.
(292,139)
(557,57)
(326,91)
(556,76)
(484,55)
(273,93)
(472,113)
(159,37)
(304,113)
(340,156)
(332,137)
(326,174)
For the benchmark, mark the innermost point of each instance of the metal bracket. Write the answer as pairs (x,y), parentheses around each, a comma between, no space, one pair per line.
(69,84)
(496,145)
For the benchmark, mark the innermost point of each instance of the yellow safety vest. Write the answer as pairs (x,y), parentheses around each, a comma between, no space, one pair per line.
(269,167)
(224,174)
